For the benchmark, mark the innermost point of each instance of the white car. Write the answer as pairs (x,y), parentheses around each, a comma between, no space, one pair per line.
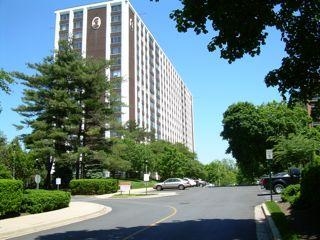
(191,181)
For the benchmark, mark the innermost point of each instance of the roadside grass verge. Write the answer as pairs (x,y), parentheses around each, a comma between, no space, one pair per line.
(130,195)
(135,183)
(280,220)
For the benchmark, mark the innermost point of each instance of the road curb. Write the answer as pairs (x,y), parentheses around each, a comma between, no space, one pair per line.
(275,235)
(19,226)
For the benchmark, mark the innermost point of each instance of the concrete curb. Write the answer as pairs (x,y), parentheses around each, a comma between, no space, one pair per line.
(273,229)
(23,225)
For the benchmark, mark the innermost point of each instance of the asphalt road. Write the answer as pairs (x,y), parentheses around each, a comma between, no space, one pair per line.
(196,213)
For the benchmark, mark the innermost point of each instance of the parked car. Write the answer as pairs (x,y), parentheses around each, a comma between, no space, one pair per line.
(191,181)
(200,183)
(172,183)
(281,180)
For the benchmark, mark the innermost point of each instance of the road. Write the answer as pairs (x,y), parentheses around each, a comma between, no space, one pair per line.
(196,213)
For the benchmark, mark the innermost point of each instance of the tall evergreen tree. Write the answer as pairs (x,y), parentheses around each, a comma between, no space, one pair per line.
(65,106)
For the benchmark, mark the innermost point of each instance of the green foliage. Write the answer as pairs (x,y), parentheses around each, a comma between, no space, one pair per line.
(295,150)
(11,192)
(250,130)
(66,91)
(93,186)
(4,172)
(222,173)
(37,201)
(310,179)
(175,160)
(291,194)
(241,27)
(281,221)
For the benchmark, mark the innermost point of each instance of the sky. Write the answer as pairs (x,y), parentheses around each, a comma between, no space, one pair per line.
(27,36)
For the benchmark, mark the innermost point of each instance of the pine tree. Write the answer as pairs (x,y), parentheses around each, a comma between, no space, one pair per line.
(65,106)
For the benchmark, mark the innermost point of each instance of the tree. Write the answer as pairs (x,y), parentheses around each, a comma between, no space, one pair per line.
(175,160)
(241,27)
(250,130)
(296,149)
(222,173)
(5,80)
(64,104)
(131,130)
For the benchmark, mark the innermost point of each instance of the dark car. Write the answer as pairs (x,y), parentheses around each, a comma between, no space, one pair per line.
(172,183)
(281,180)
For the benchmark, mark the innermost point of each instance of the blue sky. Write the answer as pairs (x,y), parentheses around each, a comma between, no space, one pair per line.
(27,35)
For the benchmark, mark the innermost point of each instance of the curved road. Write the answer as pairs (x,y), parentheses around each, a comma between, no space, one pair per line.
(196,213)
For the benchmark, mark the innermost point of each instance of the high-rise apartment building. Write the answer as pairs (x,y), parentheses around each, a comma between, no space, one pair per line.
(152,91)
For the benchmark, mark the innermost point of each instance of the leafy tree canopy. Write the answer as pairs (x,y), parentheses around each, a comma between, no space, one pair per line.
(241,27)
(250,130)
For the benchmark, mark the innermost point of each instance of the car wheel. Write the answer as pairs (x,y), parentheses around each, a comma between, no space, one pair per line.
(278,188)
(181,187)
(159,188)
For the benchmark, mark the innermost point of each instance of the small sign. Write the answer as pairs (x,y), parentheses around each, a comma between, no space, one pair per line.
(37,178)
(269,154)
(146,177)
(58,181)
(125,186)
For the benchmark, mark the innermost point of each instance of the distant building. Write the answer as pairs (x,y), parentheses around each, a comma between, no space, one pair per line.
(311,105)
(154,94)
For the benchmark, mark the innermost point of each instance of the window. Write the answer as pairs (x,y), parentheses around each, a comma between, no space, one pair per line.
(116,8)
(116,50)
(77,35)
(64,27)
(115,18)
(77,45)
(78,14)
(64,17)
(116,73)
(63,36)
(116,28)
(77,24)
(115,39)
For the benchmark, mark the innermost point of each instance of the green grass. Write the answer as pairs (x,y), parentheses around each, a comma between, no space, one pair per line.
(139,183)
(281,221)
(130,195)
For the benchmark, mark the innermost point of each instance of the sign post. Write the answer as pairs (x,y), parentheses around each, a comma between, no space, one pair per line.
(37,179)
(146,180)
(269,157)
(58,182)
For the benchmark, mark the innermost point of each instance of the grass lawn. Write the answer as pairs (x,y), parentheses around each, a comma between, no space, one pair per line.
(139,183)
(280,220)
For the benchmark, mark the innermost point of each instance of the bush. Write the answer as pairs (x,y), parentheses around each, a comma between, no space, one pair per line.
(11,192)
(291,194)
(93,186)
(37,201)
(310,190)
(4,172)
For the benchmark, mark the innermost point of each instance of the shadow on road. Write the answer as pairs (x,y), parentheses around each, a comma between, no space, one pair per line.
(203,229)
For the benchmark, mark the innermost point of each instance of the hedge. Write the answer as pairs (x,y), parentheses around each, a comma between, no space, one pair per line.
(310,190)
(291,194)
(93,186)
(37,201)
(11,192)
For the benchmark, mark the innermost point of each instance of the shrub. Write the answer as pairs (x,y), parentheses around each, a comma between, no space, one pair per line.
(4,172)
(310,190)
(291,194)
(93,186)
(11,192)
(37,201)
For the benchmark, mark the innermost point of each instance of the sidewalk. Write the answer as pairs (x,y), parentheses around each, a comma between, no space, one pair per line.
(18,226)
(76,212)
